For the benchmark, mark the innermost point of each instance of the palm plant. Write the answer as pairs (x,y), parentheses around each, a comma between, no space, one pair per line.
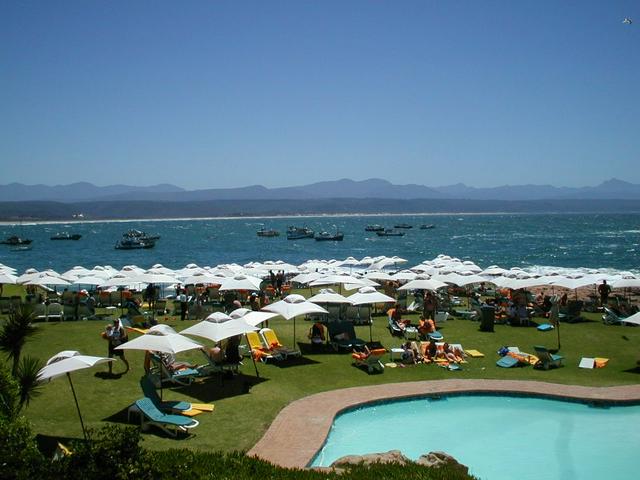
(27,378)
(14,334)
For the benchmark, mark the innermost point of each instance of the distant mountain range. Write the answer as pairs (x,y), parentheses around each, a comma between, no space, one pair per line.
(374,188)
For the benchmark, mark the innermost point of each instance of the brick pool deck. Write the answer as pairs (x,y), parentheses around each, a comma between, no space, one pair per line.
(300,428)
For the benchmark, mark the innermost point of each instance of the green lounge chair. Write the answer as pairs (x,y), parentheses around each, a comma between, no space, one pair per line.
(546,358)
(171,424)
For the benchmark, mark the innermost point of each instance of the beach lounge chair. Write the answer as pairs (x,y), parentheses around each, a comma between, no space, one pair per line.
(259,351)
(55,311)
(149,391)
(370,361)
(394,329)
(182,376)
(169,423)
(217,367)
(572,312)
(271,340)
(547,359)
(611,318)
(342,336)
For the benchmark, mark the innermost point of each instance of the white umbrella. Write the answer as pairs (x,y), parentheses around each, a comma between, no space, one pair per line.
(252,317)
(327,295)
(370,296)
(423,284)
(202,277)
(620,283)
(93,280)
(240,282)
(66,362)
(163,339)
(6,277)
(219,331)
(45,278)
(635,319)
(292,306)
(218,317)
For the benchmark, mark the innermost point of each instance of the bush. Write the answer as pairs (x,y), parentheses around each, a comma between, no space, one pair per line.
(19,454)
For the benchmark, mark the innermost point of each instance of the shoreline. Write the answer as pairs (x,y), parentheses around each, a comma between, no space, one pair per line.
(318,215)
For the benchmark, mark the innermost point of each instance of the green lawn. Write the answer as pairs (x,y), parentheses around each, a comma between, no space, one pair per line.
(245,405)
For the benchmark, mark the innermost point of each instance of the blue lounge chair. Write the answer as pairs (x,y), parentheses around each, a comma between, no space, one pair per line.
(546,358)
(171,424)
(183,376)
(150,392)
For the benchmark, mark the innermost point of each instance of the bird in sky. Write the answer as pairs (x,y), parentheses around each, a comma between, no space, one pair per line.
(627,21)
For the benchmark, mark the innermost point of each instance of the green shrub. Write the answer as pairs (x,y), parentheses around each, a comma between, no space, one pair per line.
(19,455)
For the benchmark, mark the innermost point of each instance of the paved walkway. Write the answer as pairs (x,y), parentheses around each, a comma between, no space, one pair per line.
(300,429)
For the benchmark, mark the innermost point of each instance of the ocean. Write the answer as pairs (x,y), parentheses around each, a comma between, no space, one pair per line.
(529,241)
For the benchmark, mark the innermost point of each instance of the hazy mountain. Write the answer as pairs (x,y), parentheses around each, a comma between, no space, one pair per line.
(18,192)
(610,189)
(372,188)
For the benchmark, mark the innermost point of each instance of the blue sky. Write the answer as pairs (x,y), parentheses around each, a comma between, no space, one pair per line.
(207,94)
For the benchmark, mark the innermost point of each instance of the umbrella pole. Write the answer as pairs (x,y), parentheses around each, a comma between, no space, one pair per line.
(84,432)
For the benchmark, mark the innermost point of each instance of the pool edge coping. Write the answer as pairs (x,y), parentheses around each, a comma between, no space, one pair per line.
(301,428)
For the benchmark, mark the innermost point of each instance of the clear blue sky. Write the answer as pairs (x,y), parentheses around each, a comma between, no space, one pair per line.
(206,94)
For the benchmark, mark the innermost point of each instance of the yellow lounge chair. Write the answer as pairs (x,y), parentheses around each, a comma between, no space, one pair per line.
(259,351)
(271,341)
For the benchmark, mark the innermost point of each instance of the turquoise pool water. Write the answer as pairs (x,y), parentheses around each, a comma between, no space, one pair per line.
(498,436)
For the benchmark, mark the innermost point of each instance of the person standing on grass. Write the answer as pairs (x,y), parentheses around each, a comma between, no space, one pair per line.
(116,335)
(604,289)
(184,304)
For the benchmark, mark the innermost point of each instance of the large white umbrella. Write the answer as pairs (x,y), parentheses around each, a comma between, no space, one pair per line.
(240,282)
(370,296)
(46,278)
(423,284)
(634,319)
(218,317)
(219,331)
(66,362)
(202,277)
(6,277)
(160,338)
(327,295)
(620,283)
(252,317)
(292,306)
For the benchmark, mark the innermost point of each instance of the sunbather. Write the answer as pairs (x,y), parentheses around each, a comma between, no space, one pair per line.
(426,326)
(410,355)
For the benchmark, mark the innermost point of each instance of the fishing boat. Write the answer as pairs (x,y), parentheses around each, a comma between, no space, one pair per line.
(326,236)
(296,233)
(134,244)
(403,225)
(390,232)
(66,236)
(15,240)
(266,232)
(427,227)
(374,228)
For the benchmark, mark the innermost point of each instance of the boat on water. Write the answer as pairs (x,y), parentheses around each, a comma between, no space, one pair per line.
(390,232)
(133,233)
(296,233)
(134,243)
(15,240)
(374,228)
(267,232)
(21,248)
(427,227)
(326,236)
(403,225)
(66,236)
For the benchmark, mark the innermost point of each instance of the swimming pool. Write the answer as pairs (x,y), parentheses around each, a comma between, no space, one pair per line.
(497,436)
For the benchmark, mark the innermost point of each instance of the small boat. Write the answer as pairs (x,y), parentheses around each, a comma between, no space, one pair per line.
(326,236)
(134,244)
(265,232)
(403,225)
(374,228)
(140,235)
(427,227)
(390,232)
(66,236)
(21,248)
(15,240)
(296,233)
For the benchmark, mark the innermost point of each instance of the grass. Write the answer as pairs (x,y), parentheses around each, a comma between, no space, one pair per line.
(245,405)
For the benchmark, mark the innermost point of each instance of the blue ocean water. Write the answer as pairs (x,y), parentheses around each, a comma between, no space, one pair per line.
(496,436)
(562,240)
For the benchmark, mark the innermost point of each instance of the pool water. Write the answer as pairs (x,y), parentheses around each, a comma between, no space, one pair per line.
(498,436)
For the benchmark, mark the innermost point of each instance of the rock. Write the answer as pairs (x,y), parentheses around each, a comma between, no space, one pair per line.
(438,459)
(392,456)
